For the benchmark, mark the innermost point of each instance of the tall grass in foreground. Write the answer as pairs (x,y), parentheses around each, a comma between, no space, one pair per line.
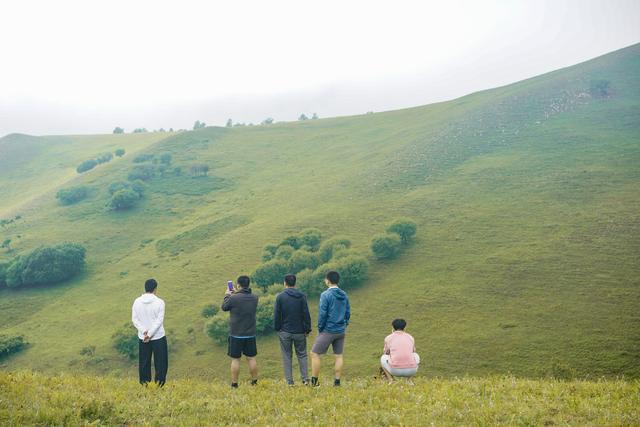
(31,398)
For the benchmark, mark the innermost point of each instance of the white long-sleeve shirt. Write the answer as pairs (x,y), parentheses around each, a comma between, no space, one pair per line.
(147,314)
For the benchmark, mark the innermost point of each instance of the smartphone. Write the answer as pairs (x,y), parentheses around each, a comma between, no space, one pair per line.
(230,285)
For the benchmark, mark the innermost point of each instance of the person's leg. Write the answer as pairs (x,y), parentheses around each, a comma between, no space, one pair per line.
(416,357)
(253,369)
(320,347)
(315,365)
(338,349)
(160,360)
(235,370)
(384,365)
(144,361)
(285,348)
(300,342)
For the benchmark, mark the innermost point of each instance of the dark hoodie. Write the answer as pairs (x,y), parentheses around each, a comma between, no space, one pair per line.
(334,313)
(242,304)
(291,312)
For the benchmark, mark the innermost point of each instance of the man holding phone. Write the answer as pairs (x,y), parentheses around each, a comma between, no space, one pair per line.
(242,305)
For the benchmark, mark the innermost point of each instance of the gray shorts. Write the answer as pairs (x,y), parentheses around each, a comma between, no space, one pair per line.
(326,339)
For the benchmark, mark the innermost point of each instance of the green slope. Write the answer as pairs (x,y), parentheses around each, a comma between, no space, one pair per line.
(32,399)
(525,261)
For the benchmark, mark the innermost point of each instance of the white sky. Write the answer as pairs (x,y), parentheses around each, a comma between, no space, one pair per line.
(86,66)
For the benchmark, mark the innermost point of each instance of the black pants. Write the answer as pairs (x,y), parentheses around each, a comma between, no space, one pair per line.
(157,348)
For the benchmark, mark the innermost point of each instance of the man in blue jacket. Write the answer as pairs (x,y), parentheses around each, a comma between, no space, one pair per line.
(333,319)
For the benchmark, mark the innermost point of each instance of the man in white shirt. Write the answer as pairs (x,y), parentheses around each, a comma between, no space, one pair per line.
(147,315)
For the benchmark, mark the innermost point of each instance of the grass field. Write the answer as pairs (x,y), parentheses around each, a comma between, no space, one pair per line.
(526,260)
(75,400)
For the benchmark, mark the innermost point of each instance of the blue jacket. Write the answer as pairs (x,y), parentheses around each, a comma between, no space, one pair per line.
(334,313)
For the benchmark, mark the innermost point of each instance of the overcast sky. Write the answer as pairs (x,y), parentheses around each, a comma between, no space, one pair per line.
(87,66)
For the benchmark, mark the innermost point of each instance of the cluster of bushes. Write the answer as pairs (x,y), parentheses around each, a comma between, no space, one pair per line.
(125,195)
(308,256)
(125,341)
(71,195)
(89,164)
(158,166)
(218,326)
(390,244)
(10,344)
(5,222)
(45,265)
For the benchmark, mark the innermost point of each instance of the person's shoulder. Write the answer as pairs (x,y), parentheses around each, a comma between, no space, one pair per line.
(388,337)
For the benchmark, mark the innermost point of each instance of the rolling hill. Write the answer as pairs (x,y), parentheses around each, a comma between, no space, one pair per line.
(526,260)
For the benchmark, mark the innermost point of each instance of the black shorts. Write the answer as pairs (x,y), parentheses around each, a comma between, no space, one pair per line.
(240,346)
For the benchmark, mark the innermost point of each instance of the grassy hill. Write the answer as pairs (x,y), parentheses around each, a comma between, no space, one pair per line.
(75,400)
(526,260)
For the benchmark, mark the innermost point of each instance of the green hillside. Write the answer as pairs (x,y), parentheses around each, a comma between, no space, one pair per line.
(31,399)
(526,260)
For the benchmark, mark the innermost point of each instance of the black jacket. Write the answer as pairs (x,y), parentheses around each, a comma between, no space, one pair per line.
(242,306)
(291,312)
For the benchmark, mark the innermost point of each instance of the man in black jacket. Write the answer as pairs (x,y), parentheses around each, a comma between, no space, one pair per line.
(242,305)
(293,324)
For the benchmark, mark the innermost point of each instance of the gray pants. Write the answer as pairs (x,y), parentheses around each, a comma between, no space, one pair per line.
(299,341)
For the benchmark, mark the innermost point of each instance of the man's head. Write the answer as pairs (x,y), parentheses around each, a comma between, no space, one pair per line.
(290,280)
(243,282)
(332,278)
(399,324)
(150,286)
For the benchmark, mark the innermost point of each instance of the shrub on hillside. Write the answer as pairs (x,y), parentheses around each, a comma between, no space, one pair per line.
(142,172)
(284,252)
(104,158)
(294,241)
(119,152)
(310,282)
(86,165)
(46,265)
(270,272)
(10,344)
(125,341)
(118,130)
(269,252)
(71,195)
(302,259)
(141,158)
(218,327)
(264,315)
(328,247)
(210,310)
(138,186)
(403,227)
(386,246)
(311,237)
(123,199)
(3,274)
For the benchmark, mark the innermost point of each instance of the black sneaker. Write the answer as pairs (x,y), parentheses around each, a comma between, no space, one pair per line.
(336,382)
(254,382)
(314,382)
(234,385)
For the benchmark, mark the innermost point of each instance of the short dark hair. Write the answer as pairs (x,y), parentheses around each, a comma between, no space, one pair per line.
(333,277)
(243,281)
(290,279)
(150,285)
(399,324)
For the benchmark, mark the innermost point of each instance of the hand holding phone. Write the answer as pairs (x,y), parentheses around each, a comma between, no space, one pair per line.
(230,285)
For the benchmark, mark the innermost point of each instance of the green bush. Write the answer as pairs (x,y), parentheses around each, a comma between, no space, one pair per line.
(264,315)
(353,270)
(141,158)
(310,282)
(386,246)
(311,237)
(118,130)
(71,195)
(138,186)
(104,158)
(123,199)
(86,165)
(125,341)
(329,246)
(404,227)
(218,327)
(120,152)
(302,259)
(270,272)
(3,273)
(284,252)
(269,252)
(10,344)
(46,265)
(142,172)
(294,241)
(210,310)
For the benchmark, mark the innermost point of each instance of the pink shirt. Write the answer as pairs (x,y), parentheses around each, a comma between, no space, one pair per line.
(400,346)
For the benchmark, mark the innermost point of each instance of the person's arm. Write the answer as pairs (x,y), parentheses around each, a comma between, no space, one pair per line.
(157,322)
(347,314)
(323,312)
(386,350)
(136,321)
(277,312)
(306,316)
(226,304)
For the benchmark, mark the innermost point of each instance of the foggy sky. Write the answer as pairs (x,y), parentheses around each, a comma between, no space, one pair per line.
(73,67)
